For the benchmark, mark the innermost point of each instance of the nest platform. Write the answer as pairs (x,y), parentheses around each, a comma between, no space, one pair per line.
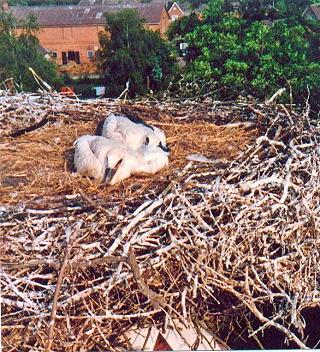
(225,239)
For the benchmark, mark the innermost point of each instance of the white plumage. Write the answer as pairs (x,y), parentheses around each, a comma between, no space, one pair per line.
(109,161)
(85,161)
(133,132)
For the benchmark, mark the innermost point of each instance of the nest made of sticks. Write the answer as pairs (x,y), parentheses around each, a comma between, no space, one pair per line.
(232,239)
(41,162)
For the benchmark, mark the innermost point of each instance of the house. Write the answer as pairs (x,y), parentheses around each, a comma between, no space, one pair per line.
(312,12)
(70,33)
(175,11)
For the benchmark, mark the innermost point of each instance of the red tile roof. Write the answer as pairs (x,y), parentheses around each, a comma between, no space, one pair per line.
(77,15)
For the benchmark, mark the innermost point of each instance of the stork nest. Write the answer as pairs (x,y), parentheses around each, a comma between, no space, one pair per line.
(226,238)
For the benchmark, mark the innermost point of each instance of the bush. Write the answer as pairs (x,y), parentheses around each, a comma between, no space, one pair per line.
(83,86)
(129,52)
(19,52)
(249,57)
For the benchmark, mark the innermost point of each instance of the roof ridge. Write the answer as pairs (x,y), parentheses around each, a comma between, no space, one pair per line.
(74,15)
(83,6)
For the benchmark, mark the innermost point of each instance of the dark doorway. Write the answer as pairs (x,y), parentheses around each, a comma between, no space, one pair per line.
(64,58)
(77,57)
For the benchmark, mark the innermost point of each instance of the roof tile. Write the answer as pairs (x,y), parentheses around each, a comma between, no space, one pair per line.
(78,15)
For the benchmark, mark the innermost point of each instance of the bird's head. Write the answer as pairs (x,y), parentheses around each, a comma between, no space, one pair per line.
(153,140)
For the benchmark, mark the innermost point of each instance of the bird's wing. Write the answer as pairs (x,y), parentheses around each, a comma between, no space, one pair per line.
(151,166)
(86,163)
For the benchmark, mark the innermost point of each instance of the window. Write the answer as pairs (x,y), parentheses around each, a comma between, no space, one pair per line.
(174,17)
(98,15)
(54,54)
(74,56)
(70,56)
(90,54)
(183,46)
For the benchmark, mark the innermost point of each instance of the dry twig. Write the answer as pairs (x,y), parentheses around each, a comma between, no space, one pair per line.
(228,232)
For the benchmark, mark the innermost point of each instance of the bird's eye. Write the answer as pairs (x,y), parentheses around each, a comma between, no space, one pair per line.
(147,141)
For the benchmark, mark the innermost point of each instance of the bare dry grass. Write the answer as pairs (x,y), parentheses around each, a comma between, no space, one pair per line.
(40,163)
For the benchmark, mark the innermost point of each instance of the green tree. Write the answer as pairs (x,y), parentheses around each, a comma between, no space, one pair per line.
(183,26)
(129,52)
(257,9)
(19,52)
(194,4)
(242,56)
(291,10)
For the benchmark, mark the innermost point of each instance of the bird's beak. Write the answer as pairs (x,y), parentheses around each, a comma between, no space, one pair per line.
(109,173)
(164,148)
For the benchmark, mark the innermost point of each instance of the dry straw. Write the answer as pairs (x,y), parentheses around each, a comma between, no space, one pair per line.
(216,243)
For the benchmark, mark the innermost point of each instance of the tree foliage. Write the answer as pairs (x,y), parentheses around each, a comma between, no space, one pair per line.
(21,51)
(129,52)
(183,25)
(246,56)
(274,9)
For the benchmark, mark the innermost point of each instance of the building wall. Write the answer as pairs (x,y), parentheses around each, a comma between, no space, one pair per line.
(153,27)
(80,39)
(64,39)
(164,21)
(162,26)
(175,11)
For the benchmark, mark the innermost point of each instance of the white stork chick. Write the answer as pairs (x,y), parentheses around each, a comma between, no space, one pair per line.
(145,160)
(133,131)
(86,161)
(109,161)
